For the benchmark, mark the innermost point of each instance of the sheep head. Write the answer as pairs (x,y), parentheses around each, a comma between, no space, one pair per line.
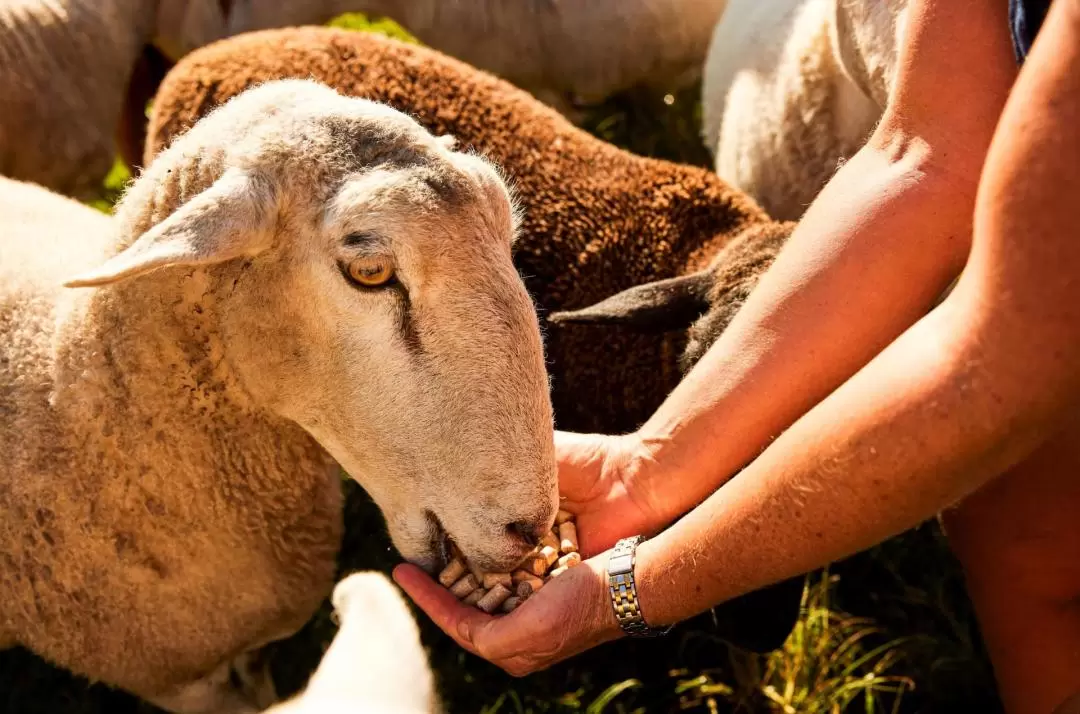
(703,302)
(356,275)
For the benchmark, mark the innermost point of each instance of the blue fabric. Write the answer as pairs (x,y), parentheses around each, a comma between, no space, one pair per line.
(1025,19)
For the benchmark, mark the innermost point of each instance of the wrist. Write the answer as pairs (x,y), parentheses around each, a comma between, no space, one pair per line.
(651,475)
(648,575)
(634,462)
(622,588)
(601,616)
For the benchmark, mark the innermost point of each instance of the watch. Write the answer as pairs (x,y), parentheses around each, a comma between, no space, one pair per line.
(623,590)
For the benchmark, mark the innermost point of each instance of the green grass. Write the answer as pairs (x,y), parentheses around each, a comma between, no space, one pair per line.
(112,187)
(362,23)
(889,631)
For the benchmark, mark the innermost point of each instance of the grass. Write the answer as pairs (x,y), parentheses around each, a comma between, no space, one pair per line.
(112,187)
(889,631)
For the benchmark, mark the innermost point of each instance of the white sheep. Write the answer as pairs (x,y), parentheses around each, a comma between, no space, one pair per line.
(65,80)
(75,74)
(376,664)
(301,280)
(791,88)
(566,53)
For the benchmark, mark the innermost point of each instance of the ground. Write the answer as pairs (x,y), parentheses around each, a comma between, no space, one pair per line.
(889,631)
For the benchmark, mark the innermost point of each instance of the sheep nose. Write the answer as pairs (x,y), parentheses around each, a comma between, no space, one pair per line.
(528,532)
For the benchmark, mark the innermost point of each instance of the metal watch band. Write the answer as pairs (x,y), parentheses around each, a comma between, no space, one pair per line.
(623,589)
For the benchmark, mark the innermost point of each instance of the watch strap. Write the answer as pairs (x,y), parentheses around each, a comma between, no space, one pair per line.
(623,589)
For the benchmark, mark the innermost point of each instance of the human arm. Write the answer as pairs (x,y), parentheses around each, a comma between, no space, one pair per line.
(959,397)
(871,255)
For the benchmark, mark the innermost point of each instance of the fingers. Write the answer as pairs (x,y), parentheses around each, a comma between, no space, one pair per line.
(459,621)
(525,641)
(595,536)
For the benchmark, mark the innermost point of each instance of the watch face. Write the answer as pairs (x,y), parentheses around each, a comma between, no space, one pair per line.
(619,564)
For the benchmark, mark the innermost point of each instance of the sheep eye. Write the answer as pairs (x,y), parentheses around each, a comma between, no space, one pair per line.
(371,272)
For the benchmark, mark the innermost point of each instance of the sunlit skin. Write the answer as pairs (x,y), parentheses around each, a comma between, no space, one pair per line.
(887,411)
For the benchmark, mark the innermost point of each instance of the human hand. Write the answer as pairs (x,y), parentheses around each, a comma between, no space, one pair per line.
(605,482)
(570,614)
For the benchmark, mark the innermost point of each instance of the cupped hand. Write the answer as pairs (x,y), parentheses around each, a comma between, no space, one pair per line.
(603,480)
(569,615)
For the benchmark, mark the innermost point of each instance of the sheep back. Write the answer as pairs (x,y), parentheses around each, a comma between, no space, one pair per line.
(64,69)
(792,88)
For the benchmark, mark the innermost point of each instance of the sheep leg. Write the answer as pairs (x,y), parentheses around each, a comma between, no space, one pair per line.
(240,686)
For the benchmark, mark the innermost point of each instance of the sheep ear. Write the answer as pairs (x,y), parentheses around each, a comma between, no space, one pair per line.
(660,306)
(230,219)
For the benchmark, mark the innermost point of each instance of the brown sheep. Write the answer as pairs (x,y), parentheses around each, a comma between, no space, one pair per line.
(596,221)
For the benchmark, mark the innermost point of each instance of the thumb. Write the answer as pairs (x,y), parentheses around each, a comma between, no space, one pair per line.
(581,460)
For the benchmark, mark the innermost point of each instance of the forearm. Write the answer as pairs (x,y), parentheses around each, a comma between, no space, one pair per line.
(871,255)
(959,398)
(928,421)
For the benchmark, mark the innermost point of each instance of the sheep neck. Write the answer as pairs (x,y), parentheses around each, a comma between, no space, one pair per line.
(143,369)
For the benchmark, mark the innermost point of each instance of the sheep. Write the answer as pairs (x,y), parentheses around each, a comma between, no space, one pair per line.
(74,73)
(375,662)
(703,302)
(596,221)
(567,54)
(792,88)
(304,282)
(76,76)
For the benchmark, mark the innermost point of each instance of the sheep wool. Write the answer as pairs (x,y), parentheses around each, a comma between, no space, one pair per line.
(595,220)
(792,88)
(64,69)
(75,76)
(107,546)
(375,663)
(566,53)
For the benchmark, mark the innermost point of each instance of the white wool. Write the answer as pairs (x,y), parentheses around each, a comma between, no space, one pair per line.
(175,423)
(792,88)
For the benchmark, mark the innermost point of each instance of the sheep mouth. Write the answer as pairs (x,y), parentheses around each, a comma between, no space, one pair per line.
(441,543)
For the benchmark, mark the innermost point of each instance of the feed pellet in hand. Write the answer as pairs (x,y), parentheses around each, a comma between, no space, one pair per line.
(504,592)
